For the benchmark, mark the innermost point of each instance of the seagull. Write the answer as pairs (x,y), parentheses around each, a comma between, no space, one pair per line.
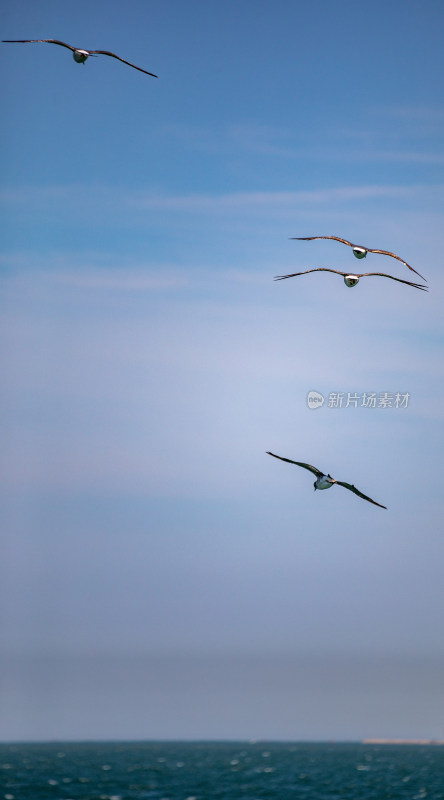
(358,250)
(325,481)
(351,280)
(79,55)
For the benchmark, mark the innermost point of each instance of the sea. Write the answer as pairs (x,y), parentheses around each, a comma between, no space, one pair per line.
(221,771)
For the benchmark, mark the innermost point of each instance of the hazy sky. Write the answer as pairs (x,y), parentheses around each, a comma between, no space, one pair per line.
(161,576)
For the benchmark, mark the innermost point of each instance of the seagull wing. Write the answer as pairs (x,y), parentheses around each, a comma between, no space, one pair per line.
(113,55)
(314,470)
(50,41)
(318,269)
(400,280)
(393,255)
(356,491)
(310,238)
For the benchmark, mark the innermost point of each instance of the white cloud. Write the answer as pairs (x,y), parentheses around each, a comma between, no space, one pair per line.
(127,389)
(134,280)
(108,198)
(370,133)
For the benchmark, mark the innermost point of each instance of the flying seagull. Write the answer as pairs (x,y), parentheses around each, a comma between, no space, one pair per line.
(351,280)
(79,55)
(358,250)
(325,481)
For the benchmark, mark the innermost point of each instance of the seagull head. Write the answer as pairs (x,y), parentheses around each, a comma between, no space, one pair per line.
(359,252)
(351,280)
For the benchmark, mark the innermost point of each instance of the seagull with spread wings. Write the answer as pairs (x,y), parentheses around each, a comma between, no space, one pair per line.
(79,55)
(349,279)
(358,250)
(325,481)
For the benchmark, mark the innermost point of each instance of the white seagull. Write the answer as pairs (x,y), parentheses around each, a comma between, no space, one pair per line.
(79,55)
(358,250)
(350,279)
(325,481)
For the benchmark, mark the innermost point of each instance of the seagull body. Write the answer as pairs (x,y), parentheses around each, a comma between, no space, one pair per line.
(358,250)
(325,481)
(80,55)
(350,279)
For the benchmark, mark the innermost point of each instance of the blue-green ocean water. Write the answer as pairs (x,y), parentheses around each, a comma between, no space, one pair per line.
(225,770)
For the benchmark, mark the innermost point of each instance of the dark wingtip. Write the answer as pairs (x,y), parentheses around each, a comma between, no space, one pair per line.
(379,504)
(421,276)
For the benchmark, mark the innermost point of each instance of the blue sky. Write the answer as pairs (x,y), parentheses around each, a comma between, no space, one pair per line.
(164,577)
